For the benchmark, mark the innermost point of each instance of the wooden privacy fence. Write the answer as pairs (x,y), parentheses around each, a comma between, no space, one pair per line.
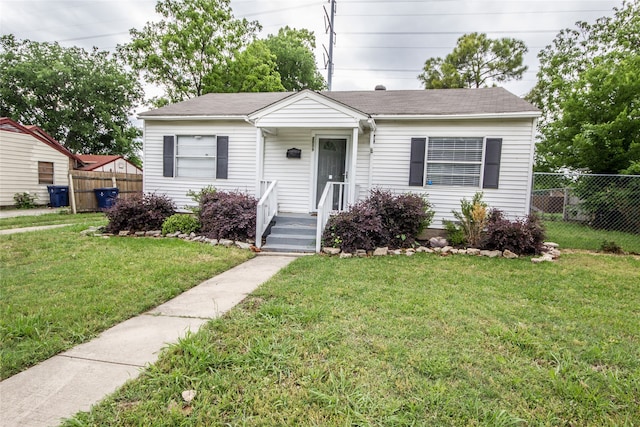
(82,198)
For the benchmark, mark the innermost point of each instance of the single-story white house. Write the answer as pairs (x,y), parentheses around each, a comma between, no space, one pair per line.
(108,163)
(31,160)
(446,144)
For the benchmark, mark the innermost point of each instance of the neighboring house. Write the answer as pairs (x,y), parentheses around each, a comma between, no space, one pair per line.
(30,159)
(106,163)
(447,144)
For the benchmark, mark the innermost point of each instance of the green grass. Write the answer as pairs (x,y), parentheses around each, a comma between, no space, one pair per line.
(52,219)
(404,341)
(578,236)
(59,288)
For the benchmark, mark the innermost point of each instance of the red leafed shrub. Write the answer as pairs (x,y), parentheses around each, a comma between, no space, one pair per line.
(522,236)
(141,212)
(228,215)
(383,219)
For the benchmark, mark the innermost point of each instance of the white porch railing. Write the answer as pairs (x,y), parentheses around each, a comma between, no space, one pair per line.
(267,208)
(332,201)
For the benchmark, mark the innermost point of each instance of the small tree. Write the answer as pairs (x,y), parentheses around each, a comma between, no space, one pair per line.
(472,220)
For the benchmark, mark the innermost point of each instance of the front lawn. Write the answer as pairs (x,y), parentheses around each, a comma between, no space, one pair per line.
(60,289)
(422,340)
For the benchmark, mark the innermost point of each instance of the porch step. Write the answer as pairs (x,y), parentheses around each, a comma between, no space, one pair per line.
(292,233)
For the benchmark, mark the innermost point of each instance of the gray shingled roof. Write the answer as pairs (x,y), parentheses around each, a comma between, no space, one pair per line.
(392,102)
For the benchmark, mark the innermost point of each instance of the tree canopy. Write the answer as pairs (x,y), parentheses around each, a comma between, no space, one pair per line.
(83,99)
(190,49)
(476,61)
(295,61)
(200,47)
(589,92)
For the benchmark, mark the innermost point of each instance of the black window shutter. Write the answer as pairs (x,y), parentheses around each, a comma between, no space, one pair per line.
(416,164)
(492,163)
(222,159)
(167,156)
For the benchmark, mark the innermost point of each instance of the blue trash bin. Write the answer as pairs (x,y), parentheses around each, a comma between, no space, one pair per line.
(106,197)
(58,195)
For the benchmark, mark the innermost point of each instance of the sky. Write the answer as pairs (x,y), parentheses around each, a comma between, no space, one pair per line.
(376,41)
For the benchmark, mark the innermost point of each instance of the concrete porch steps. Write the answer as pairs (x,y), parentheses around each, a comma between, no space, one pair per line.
(292,233)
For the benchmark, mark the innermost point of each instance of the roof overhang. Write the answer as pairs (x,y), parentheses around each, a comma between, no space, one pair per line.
(192,118)
(515,115)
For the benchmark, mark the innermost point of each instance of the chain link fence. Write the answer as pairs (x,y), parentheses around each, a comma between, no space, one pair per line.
(599,202)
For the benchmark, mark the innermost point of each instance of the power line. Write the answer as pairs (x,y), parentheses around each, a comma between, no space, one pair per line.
(413,33)
(533,12)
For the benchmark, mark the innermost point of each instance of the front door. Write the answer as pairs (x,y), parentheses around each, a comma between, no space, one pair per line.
(332,156)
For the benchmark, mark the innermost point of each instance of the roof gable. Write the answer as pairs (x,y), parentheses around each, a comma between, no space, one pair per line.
(304,107)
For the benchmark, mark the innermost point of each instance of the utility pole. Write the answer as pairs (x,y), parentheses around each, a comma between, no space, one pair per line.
(329,27)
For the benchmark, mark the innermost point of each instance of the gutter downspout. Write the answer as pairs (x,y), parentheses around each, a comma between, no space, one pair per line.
(372,140)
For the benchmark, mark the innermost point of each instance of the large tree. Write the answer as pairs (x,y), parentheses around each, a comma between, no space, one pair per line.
(83,99)
(295,61)
(190,48)
(476,61)
(589,91)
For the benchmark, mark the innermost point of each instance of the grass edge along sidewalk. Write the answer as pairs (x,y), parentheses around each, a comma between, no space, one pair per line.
(422,340)
(61,289)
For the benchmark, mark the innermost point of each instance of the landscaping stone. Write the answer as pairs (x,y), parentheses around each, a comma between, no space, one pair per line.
(153,233)
(331,251)
(509,255)
(381,251)
(554,253)
(123,233)
(192,235)
(182,236)
(446,249)
(139,233)
(226,242)
(462,252)
(345,255)
(243,245)
(409,253)
(438,242)
(422,249)
(361,253)
(491,254)
(473,251)
(454,251)
(213,242)
(551,245)
(395,252)
(543,258)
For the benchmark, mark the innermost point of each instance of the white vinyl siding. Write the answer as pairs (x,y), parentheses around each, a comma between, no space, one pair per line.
(454,161)
(242,158)
(195,156)
(19,157)
(294,176)
(392,152)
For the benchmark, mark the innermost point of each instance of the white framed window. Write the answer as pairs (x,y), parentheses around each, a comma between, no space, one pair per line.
(195,156)
(454,161)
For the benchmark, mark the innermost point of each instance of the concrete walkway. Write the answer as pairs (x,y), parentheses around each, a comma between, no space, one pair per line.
(76,379)
(34,228)
(12,213)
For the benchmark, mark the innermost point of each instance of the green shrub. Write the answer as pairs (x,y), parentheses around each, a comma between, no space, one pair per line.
(198,196)
(25,200)
(184,223)
(472,220)
(455,235)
